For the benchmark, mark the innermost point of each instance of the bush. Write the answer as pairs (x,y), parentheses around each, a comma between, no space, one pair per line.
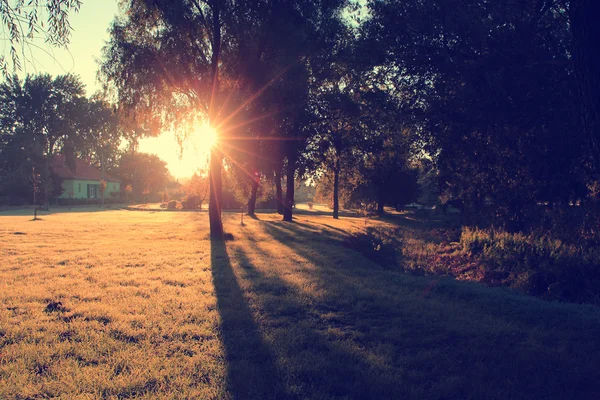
(375,246)
(537,265)
(310,205)
(190,202)
(172,205)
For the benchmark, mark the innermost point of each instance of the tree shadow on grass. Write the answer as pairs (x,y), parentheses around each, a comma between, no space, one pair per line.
(455,339)
(290,232)
(315,362)
(251,372)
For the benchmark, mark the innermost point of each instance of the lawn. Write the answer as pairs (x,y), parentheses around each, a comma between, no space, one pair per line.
(121,304)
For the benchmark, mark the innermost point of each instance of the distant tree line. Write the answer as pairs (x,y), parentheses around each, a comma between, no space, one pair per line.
(43,116)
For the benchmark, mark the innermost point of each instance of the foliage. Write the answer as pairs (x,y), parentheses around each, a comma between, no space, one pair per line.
(191,202)
(172,205)
(488,89)
(42,116)
(538,265)
(198,188)
(146,173)
(238,184)
(231,66)
(99,133)
(375,246)
(23,23)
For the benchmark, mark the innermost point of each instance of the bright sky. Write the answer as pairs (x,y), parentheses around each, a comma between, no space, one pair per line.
(195,152)
(90,32)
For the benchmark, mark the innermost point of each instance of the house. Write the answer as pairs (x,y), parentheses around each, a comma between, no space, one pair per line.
(84,181)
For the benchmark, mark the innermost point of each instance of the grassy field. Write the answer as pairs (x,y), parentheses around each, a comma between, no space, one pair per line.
(122,304)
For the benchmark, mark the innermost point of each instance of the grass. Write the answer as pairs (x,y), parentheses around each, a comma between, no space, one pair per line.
(121,304)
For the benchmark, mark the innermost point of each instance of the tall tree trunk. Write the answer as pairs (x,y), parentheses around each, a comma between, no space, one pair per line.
(47,184)
(586,41)
(252,199)
(278,192)
(49,156)
(289,187)
(216,157)
(35,188)
(102,191)
(216,190)
(380,200)
(336,186)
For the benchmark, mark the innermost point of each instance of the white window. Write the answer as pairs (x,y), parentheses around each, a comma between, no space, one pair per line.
(92,191)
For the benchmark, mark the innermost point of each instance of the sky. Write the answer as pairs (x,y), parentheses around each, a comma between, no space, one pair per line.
(90,33)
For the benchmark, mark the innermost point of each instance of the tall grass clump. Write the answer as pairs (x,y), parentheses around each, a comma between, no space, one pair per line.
(536,264)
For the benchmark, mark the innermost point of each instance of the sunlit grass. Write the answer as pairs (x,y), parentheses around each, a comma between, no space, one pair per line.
(150,308)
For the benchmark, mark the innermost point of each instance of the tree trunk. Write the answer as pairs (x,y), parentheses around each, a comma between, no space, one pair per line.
(47,177)
(278,192)
(214,204)
(586,40)
(216,157)
(336,185)
(34,177)
(380,200)
(252,199)
(289,190)
(103,191)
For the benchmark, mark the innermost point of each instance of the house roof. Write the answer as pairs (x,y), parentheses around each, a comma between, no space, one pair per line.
(83,170)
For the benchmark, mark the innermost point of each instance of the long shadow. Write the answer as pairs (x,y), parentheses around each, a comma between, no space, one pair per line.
(316,366)
(251,371)
(290,232)
(335,261)
(357,288)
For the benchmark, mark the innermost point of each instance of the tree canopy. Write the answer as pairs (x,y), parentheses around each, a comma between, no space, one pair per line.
(25,23)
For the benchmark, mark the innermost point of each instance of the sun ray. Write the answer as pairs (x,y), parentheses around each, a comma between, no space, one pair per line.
(255,95)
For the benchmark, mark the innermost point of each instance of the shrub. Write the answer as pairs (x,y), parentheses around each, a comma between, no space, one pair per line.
(190,202)
(375,246)
(536,264)
(310,205)
(172,205)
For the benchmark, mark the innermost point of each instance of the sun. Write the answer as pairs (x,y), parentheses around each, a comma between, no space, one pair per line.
(205,138)
(199,143)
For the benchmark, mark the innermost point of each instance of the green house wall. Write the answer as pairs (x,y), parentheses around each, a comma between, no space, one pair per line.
(77,189)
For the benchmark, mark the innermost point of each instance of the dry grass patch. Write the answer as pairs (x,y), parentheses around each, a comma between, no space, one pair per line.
(129,304)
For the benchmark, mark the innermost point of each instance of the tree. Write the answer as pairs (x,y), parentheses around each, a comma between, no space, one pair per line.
(146,173)
(489,86)
(163,62)
(39,115)
(198,187)
(586,39)
(176,62)
(338,133)
(22,26)
(50,110)
(98,133)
